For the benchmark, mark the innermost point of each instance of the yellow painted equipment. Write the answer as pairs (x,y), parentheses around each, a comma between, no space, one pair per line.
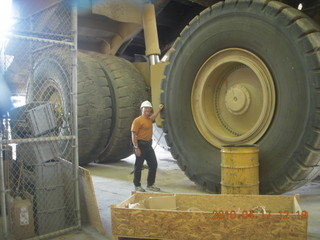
(240,169)
(226,82)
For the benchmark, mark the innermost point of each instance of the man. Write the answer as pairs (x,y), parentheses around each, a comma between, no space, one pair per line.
(141,132)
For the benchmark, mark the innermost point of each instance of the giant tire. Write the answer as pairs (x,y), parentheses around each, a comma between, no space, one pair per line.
(51,81)
(271,38)
(128,89)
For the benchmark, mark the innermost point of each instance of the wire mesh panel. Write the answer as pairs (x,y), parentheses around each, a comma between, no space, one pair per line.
(38,137)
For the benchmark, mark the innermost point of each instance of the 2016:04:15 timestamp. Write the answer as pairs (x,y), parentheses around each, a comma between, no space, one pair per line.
(262,214)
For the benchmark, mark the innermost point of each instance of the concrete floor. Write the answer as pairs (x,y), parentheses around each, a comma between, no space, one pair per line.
(113,184)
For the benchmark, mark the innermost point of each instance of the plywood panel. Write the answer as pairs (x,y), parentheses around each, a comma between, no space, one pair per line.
(199,222)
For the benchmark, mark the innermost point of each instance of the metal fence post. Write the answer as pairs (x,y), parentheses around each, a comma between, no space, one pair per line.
(2,188)
(75,107)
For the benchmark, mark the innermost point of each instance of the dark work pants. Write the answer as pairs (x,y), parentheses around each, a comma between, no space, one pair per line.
(147,153)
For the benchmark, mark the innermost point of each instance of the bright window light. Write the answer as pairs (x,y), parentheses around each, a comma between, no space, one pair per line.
(300,6)
(5,18)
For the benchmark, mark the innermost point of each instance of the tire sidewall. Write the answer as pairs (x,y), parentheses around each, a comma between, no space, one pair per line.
(275,44)
(50,69)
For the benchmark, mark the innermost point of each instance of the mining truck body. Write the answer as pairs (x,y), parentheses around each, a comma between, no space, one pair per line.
(228,72)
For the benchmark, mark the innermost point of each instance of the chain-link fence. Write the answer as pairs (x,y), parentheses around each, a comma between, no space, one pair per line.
(38,139)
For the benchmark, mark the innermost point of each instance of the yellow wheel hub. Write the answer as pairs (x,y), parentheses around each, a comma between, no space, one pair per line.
(50,92)
(233,98)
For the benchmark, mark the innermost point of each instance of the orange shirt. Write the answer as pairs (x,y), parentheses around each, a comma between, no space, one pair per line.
(142,126)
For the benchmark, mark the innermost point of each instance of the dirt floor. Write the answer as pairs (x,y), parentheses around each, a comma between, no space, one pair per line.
(113,184)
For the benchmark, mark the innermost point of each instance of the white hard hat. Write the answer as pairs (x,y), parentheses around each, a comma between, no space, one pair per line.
(146,104)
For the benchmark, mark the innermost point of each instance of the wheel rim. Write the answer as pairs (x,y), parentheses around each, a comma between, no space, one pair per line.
(233,98)
(50,91)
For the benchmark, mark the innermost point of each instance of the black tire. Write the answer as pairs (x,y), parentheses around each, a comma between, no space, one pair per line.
(288,43)
(94,109)
(51,76)
(128,89)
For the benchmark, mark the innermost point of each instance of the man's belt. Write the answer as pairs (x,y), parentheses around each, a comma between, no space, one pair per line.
(144,142)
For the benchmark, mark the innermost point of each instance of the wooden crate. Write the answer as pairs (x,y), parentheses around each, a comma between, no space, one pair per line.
(205,216)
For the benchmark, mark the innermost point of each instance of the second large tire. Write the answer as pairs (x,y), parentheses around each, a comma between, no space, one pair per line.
(128,89)
(244,72)
(51,81)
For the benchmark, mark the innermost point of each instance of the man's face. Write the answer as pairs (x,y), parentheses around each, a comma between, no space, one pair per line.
(146,111)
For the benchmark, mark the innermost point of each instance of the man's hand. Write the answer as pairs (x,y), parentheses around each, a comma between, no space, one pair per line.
(137,151)
(153,117)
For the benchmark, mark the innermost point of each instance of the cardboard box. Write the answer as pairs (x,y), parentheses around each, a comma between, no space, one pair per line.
(212,217)
(20,210)
(161,202)
(157,202)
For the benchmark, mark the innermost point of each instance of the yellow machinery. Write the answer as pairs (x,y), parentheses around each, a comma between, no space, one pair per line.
(228,72)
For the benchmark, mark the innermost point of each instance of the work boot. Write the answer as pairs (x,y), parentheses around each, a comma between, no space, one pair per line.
(153,188)
(139,189)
